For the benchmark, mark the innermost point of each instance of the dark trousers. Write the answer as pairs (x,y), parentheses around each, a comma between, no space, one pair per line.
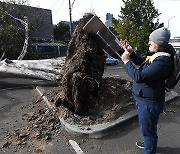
(148,114)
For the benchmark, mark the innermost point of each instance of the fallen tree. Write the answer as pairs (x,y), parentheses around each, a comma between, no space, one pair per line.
(48,69)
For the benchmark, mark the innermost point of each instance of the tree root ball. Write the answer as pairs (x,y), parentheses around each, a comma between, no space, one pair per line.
(83,71)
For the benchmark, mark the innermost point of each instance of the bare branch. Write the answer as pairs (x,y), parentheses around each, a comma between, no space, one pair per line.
(25,23)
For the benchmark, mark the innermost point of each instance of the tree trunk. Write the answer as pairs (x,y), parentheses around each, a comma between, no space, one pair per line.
(48,69)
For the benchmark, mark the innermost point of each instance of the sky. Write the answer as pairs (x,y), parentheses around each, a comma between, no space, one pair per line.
(169,9)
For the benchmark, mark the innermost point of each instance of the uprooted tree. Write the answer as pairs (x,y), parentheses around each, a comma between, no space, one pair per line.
(83,71)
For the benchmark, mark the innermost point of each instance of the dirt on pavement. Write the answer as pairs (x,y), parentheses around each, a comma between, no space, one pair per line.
(114,100)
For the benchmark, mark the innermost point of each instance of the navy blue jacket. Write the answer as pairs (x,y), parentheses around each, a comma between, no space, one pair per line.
(149,78)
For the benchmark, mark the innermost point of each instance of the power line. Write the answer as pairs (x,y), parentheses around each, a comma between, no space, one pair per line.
(54,4)
(58,9)
(72,4)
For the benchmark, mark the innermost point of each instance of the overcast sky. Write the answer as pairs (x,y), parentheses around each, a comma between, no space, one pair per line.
(169,9)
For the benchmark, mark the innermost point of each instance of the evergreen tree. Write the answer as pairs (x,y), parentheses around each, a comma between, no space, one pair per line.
(61,32)
(137,19)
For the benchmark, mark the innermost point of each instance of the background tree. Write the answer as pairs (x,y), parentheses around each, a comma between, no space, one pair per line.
(12,32)
(61,32)
(11,35)
(137,19)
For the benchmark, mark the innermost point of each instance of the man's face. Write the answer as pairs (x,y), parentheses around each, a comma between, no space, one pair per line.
(153,47)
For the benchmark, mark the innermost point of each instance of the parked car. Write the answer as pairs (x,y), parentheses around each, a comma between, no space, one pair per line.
(111,60)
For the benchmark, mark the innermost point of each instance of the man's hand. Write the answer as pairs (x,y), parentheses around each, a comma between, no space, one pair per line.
(125,57)
(125,45)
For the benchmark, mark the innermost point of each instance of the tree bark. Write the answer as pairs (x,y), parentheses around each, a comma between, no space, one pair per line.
(48,69)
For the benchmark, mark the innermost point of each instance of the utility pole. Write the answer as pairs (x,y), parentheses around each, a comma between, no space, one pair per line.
(70,15)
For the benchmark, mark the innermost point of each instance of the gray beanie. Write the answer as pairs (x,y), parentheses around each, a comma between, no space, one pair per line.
(160,36)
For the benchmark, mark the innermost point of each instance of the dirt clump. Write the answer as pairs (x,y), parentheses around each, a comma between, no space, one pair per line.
(113,101)
(83,71)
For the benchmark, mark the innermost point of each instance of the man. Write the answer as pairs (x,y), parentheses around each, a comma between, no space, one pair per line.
(149,83)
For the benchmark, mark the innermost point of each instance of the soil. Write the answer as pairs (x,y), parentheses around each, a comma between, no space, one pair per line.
(83,71)
(114,100)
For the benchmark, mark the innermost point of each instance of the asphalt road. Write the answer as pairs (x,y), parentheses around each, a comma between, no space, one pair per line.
(16,99)
(115,71)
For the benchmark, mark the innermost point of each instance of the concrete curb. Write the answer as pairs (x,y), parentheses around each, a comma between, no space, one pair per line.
(98,130)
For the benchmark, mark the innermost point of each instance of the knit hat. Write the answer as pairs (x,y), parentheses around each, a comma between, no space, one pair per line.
(160,36)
